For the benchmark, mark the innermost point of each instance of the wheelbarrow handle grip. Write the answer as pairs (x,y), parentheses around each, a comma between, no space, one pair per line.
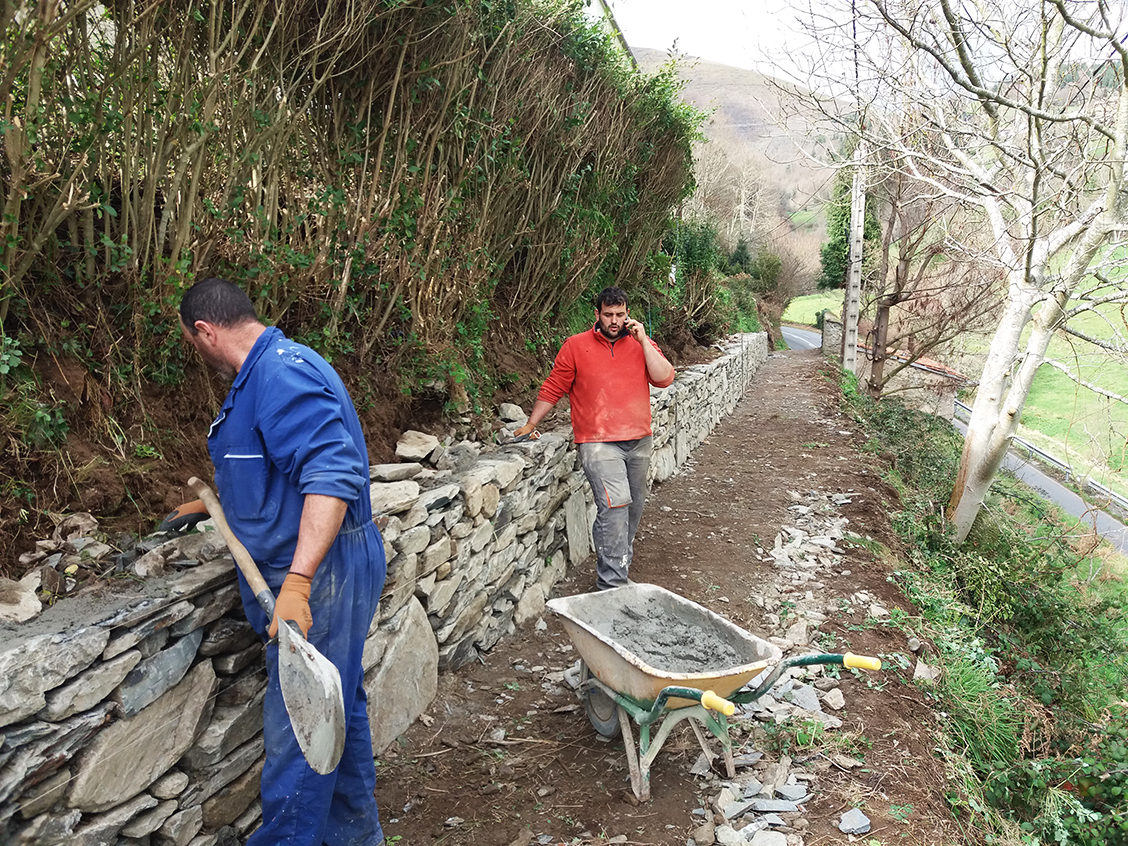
(862,662)
(713,702)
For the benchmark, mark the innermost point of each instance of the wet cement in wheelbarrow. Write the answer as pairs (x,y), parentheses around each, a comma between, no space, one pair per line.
(668,643)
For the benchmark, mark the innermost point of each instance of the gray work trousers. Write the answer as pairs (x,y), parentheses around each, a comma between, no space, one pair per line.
(616,472)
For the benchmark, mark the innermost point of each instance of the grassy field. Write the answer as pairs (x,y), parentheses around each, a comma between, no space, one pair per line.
(806,217)
(804,310)
(1093,426)
(1078,425)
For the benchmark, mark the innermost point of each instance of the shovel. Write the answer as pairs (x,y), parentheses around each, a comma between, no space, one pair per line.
(311,685)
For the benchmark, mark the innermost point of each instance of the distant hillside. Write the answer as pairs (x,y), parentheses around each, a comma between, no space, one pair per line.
(746,120)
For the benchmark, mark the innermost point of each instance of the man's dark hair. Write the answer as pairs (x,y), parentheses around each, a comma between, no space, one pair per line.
(216,301)
(610,296)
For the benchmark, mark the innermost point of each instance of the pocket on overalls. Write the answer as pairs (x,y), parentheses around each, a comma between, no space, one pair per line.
(246,466)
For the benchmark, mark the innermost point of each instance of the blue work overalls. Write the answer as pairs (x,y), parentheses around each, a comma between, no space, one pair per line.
(288,428)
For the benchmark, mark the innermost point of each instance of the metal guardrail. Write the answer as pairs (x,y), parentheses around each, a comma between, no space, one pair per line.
(963,413)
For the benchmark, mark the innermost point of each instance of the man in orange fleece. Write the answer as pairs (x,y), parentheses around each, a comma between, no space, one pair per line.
(607,372)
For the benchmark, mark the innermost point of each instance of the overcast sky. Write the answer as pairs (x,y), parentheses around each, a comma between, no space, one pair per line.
(741,33)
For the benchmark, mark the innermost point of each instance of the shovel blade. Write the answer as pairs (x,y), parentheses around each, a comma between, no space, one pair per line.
(311,689)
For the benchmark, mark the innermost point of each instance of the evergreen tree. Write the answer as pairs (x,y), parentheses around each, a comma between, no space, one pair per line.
(741,259)
(834,255)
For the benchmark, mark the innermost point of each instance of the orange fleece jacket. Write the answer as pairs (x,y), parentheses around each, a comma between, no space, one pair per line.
(607,384)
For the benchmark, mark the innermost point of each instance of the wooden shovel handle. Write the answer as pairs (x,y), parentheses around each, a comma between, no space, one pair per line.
(243,558)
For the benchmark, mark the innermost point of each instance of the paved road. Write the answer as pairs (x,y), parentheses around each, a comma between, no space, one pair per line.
(801,339)
(1049,488)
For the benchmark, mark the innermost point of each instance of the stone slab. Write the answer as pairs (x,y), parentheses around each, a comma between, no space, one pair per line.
(228,804)
(403,685)
(88,688)
(31,667)
(394,472)
(153,677)
(122,761)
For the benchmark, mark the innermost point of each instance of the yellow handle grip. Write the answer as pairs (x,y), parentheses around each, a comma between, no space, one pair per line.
(862,662)
(713,702)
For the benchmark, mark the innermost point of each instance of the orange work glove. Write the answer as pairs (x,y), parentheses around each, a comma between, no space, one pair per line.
(184,517)
(293,604)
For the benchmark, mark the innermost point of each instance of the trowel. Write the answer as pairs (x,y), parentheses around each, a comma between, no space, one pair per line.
(311,684)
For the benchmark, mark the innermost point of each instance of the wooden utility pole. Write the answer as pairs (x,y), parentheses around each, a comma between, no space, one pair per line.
(851,308)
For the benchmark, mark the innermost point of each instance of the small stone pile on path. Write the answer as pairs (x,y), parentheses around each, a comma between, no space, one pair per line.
(763,804)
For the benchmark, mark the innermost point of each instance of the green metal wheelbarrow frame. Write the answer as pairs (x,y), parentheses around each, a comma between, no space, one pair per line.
(712,712)
(618,685)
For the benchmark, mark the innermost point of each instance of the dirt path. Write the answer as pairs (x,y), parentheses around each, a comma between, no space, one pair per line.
(507,755)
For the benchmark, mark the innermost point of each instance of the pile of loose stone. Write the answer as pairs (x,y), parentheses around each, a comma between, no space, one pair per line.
(763,804)
(77,553)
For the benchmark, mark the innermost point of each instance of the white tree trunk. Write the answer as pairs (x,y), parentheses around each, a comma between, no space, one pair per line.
(1035,152)
(995,413)
(1017,113)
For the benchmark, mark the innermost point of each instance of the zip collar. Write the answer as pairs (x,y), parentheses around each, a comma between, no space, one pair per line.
(609,343)
(263,341)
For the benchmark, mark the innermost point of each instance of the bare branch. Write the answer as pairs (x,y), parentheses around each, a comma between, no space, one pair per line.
(1097,389)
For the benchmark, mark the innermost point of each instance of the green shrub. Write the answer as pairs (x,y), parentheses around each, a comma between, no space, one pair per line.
(739,305)
(35,421)
(357,228)
(1034,667)
(10,358)
(1077,799)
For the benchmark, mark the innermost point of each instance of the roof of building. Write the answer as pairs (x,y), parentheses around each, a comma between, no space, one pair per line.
(921,363)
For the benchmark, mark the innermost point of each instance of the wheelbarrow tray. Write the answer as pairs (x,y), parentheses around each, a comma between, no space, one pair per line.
(590,620)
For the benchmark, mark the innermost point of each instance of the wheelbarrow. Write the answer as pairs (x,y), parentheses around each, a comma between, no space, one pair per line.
(654,657)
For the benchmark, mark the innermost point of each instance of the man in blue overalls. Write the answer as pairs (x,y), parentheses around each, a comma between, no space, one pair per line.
(291,467)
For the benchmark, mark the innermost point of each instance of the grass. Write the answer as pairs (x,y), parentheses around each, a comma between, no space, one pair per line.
(985,718)
(805,217)
(805,310)
(1087,429)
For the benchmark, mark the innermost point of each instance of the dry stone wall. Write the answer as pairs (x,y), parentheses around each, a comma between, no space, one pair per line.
(131,712)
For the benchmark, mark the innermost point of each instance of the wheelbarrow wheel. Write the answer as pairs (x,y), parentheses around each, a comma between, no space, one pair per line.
(602,710)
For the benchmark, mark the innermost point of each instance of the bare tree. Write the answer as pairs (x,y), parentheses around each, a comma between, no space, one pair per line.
(734,192)
(754,213)
(1021,119)
(925,292)
(713,197)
